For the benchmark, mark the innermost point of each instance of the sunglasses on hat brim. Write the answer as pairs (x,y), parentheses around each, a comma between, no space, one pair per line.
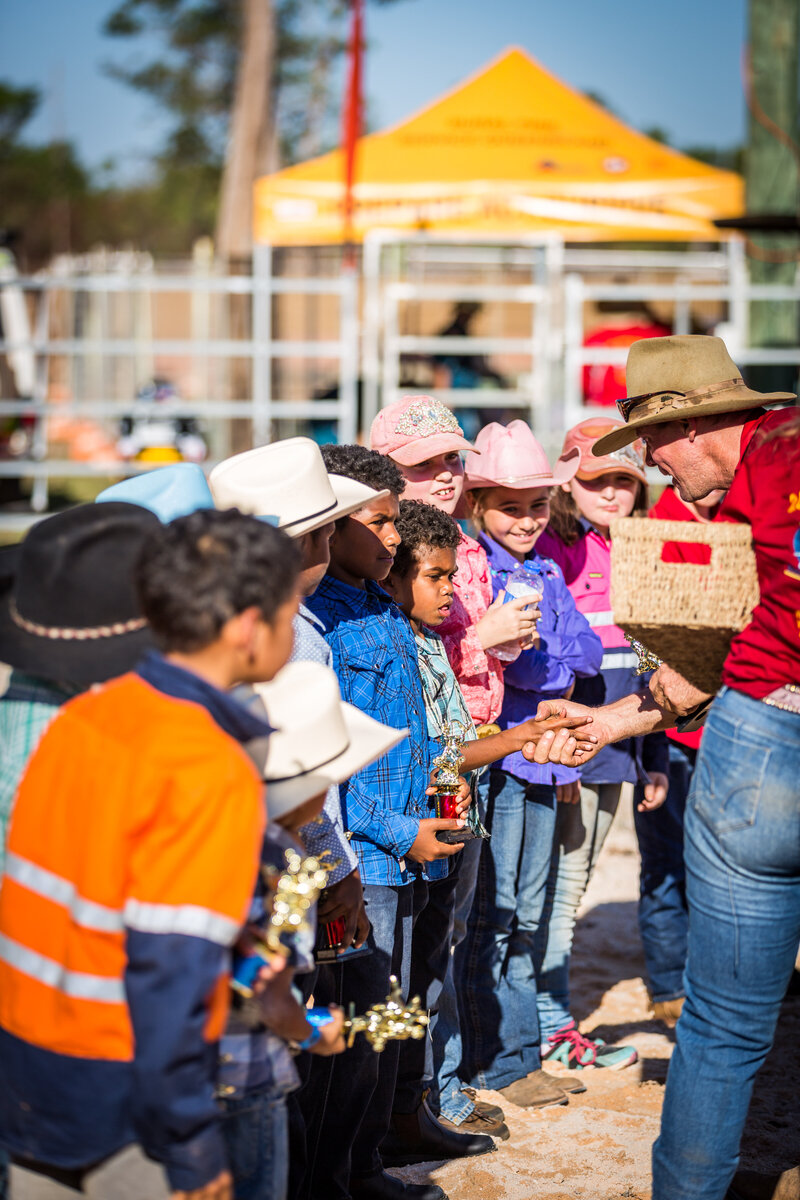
(624,406)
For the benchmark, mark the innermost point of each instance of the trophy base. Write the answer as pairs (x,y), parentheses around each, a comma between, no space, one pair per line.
(330,954)
(454,837)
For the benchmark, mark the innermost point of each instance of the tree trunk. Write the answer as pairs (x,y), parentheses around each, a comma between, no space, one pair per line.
(772,171)
(250,122)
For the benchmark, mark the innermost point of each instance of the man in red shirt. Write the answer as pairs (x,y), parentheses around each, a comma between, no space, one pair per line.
(707,429)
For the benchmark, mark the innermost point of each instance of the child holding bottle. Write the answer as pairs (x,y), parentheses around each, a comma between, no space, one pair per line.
(578,539)
(508,483)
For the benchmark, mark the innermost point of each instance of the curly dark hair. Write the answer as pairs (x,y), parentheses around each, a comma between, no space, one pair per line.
(422,527)
(366,466)
(196,573)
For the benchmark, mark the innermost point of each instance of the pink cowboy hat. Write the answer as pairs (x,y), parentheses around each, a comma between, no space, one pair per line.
(510,456)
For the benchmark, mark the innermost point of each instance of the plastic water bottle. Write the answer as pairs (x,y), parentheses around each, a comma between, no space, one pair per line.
(521,582)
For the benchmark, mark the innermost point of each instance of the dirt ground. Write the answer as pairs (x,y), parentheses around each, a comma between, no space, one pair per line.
(598,1147)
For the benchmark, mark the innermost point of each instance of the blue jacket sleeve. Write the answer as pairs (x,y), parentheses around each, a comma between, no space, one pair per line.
(168,980)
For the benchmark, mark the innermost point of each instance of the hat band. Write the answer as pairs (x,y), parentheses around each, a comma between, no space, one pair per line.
(91,633)
(309,770)
(673,398)
(310,516)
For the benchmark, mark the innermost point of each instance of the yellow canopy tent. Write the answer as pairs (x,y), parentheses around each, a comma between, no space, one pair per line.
(513,149)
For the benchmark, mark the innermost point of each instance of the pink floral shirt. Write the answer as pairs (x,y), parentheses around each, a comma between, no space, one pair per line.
(479,673)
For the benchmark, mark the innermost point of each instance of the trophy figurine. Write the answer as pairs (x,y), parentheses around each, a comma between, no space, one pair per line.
(392,1020)
(448,766)
(647,660)
(294,892)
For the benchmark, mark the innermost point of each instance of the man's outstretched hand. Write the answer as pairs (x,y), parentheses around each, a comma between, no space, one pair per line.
(580,736)
(671,691)
(554,721)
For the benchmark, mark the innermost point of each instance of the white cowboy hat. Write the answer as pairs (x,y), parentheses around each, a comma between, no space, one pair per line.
(318,740)
(288,479)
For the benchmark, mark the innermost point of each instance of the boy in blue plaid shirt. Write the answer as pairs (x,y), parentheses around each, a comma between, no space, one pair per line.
(387,812)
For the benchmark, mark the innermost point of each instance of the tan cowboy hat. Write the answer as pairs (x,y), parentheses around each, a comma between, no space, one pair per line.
(288,479)
(318,740)
(688,375)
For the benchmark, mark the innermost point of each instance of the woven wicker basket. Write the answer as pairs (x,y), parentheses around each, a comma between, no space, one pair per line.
(686,613)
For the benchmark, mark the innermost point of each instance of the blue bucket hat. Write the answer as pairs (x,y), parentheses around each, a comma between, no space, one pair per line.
(169,492)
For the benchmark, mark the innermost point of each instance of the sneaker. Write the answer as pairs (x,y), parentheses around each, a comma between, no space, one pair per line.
(570,1048)
(668,1011)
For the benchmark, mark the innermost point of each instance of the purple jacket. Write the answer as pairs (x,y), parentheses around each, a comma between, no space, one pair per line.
(568,649)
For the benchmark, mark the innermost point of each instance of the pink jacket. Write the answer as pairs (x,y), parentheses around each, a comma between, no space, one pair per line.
(479,673)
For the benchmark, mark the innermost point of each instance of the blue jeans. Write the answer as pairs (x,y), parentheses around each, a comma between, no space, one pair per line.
(743,886)
(663,914)
(447,1095)
(347,1102)
(255,1128)
(580,832)
(501,1030)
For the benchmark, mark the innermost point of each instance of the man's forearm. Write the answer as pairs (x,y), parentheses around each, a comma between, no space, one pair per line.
(635,715)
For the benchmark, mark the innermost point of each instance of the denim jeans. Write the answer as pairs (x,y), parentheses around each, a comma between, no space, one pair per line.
(663,915)
(347,1102)
(255,1128)
(580,832)
(501,1029)
(447,1095)
(742,854)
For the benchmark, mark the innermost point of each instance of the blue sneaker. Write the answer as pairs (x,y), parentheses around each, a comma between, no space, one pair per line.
(569,1047)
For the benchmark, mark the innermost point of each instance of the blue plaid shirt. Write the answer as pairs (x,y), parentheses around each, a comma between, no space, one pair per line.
(327,832)
(375,657)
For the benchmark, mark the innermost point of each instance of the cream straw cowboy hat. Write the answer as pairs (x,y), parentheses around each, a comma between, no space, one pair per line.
(688,375)
(318,740)
(288,479)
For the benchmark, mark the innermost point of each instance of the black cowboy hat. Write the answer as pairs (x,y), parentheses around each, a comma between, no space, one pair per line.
(68,605)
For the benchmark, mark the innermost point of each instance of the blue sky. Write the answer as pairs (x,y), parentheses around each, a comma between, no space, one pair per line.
(675,65)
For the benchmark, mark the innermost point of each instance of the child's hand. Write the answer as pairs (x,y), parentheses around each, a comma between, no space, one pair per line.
(331,1036)
(533,730)
(568,793)
(655,792)
(512,622)
(463,794)
(425,847)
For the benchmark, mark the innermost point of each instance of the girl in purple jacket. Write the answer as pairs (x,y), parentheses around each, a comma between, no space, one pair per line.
(509,484)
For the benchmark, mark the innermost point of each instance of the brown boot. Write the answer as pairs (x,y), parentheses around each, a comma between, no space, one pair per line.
(567,1082)
(668,1011)
(534,1092)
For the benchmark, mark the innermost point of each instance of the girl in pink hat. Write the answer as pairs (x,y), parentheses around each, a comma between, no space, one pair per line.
(508,480)
(578,539)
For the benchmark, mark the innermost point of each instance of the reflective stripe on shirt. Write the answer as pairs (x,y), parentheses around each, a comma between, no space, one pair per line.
(77,984)
(188,919)
(599,618)
(614,661)
(61,891)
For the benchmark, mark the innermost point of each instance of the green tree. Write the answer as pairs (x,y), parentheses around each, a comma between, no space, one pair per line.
(43,189)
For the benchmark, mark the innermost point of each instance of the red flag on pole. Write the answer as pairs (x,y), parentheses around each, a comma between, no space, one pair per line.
(351,116)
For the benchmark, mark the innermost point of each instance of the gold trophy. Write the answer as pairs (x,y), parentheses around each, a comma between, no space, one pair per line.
(647,660)
(448,767)
(390,1021)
